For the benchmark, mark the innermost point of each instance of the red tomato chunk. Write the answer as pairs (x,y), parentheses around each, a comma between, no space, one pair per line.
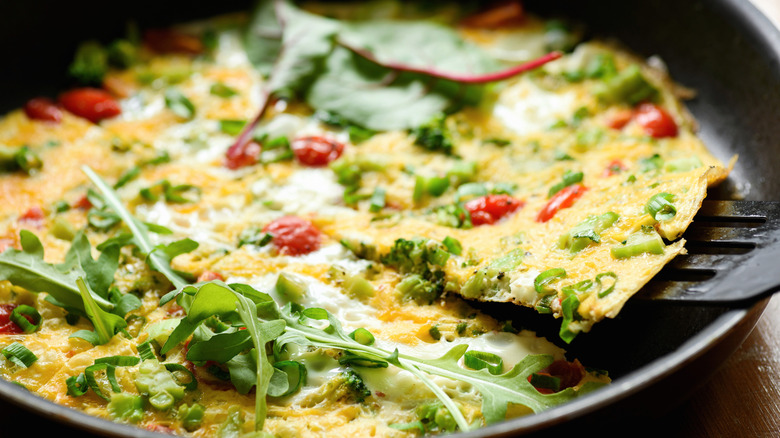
(487,210)
(92,104)
(41,108)
(242,154)
(563,199)
(316,151)
(8,327)
(655,121)
(293,235)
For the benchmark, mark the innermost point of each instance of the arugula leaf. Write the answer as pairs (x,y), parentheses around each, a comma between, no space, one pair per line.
(27,268)
(261,333)
(293,324)
(157,260)
(106,324)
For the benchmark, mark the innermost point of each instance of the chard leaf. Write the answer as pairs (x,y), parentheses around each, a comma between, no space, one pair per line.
(417,44)
(263,37)
(306,41)
(363,93)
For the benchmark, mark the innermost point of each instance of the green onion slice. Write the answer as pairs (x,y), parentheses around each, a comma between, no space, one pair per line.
(119,361)
(547,277)
(91,379)
(605,292)
(145,351)
(19,317)
(175,369)
(478,360)
(77,385)
(453,245)
(296,374)
(362,336)
(660,206)
(349,358)
(544,381)
(377,202)
(19,354)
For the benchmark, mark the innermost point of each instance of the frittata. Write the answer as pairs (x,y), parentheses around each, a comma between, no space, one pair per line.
(266,223)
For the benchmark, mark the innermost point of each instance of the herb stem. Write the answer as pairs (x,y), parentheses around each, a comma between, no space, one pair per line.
(155,260)
(455,77)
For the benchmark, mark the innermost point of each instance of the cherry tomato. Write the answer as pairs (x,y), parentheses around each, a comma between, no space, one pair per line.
(169,41)
(293,235)
(92,104)
(8,327)
(613,168)
(569,373)
(316,151)
(563,199)
(655,121)
(242,155)
(489,209)
(42,108)
(210,275)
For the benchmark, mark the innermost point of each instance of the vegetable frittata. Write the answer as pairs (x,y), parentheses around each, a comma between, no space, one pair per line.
(266,223)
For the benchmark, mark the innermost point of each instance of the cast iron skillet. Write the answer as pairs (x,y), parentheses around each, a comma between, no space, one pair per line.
(657,353)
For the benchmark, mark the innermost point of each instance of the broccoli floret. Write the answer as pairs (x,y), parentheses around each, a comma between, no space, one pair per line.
(416,256)
(353,386)
(421,260)
(90,63)
(434,136)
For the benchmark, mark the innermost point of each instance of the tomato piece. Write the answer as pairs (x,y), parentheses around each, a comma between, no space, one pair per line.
(508,13)
(293,235)
(170,41)
(159,428)
(569,373)
(83,203)
(619,119)
(655,121)
(209,276)
(92,104)
(42,108)
(613,168)
(316,151)
(8,327)
(7,242)
(565,198)
(33,217)
(242,154)
(487,210)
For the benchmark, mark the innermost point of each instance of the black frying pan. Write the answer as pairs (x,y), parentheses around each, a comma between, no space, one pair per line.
(657,353)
